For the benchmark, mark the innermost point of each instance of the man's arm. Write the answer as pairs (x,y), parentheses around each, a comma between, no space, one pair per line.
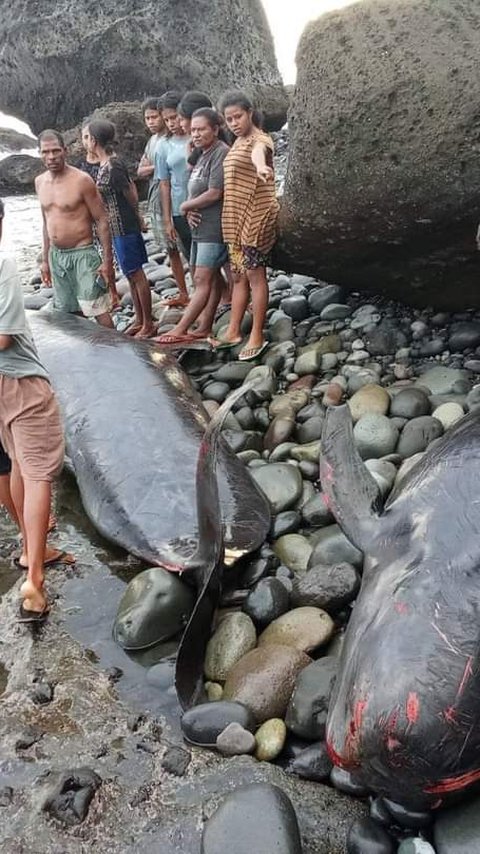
(94,203)
(45,265)
(6,341)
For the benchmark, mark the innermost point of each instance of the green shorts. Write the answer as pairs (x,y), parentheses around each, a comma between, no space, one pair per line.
(77,287)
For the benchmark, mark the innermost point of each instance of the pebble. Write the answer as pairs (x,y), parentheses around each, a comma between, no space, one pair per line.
(281,484)
(335,311)
(294,551)
(310,431)
(255,818)
(67,795)
(176,761)
(286,523)
(457,830)
(279,432)
(440,380)
(234,637)
(315,513)
(366,837)
(308,707)
(202,724)
(214,691)
(313,763)
(417,435)
(303,629)
(369,399)
(415,846)
(6,796)
(448,414)
(42,694)
(347,783)
(270,739)
(321,297)
(267,601)
(333,395)
(410,403)
(326,587)
(375,436)
(235,740)
(263,680)
(216,391)
(331,546)
(295,307)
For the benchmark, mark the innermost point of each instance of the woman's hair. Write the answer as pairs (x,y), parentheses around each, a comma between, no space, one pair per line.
(151,104)
(170,100)
(211,115)
(191,102)
(238,98)
(103,133)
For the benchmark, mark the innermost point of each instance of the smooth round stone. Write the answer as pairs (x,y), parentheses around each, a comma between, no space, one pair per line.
(333,395)
(303,628)
(308,363)
(380,813)
(308,707)
(233,372)
(310,430)
(294,551)
(410,403)
(155,606)
(262,419)
(457,830)
(248,456)
(202,724)
(316,513)
(235,740)
(321,297)
(279,432)
(369,399)
(281,484)
(286,523)
(417,435)
(265,381)
(289,403)
(448,414)
(345,782)
(214,691)
(310,411)
(295,307)
(308,492)
(412,819)
(326,587)
(216,391)
(257,569)
(445,380)
(267,601)
(415,846)
(335,311)
(385,339)
(270,740)
(329,362)
(234,637)
(310,452)
(375,436)
(281,328)
(263,680)
(310,471)
(245,417)
(332,547)
(313,763)
(366,837)
(384,468)
(464,336)
(281,452)
(254,819)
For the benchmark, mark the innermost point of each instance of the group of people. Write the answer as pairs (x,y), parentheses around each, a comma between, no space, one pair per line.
(211,200)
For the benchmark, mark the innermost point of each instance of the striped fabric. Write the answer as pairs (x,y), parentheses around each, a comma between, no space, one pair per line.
(250,207)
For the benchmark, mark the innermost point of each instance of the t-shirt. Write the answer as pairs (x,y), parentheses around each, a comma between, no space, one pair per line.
(21,358)
(112,180)
(171,165)
(90,168)
(150,152)
(208,175)
(250,206)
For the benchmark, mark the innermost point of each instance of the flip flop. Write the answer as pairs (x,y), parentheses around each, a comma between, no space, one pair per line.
(27,616)
(251,353)
(223,345)
(174,302)
(177,340)
(62,558)
(221,310)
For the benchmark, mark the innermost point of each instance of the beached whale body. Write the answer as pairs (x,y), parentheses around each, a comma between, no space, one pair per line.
(405,712)
(134,426)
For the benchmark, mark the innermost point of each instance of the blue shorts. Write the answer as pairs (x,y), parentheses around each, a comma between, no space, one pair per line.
(213,255)
(131,253)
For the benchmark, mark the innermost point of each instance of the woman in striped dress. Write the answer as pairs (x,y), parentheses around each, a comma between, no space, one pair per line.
(250,211)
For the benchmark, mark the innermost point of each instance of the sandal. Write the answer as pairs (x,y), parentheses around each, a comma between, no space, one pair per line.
(62,558)
(175,302)
(177,340)
(220,344)
(27,616)
(251,353)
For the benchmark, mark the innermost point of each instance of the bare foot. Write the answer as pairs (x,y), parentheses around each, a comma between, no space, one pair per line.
(146,331)
(34,598)
(133,329)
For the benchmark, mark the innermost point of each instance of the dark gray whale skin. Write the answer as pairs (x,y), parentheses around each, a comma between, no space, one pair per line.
(405,712)
(134,426)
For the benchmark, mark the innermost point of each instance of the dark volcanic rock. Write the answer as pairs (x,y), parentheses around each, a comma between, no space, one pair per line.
(12,140)
(68,794)
(131,134)
(203,724)
(18,173)
(381,191)
(136,48)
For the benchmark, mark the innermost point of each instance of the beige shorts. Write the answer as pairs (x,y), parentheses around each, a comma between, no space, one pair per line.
(31,427)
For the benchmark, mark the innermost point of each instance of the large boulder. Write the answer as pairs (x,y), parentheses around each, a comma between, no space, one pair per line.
(382,187)
(11,140)
(131,135)
(18,173)
(60,62)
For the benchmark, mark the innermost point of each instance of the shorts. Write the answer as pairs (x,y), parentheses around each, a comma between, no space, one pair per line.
(213,255)
(31,427)
(184,239)
(156,218)
(243,258)
(5,464)
(131,253)
(77,287)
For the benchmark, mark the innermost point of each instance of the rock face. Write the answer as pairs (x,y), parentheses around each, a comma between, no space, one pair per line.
(131,135)
(381,191)
(12,140)
(135,49)
(18,173)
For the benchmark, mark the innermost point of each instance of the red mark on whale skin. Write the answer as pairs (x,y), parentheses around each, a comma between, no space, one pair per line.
(412,709)
(466,676)
(453,784)
(450,715)
(401,608)
(340,761)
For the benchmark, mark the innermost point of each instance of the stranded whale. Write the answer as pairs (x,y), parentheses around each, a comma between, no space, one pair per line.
(134,426)
(405,712)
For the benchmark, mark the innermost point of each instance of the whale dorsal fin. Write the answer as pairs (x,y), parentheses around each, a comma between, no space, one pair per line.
(351,492)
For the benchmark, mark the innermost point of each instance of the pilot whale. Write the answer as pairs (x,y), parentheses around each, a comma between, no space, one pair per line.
(134,426)
(405,712)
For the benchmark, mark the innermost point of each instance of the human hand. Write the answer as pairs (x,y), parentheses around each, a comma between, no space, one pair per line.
(143,224)
(265,173)
(46,274)
(170,231)
(194,218)
(107,273)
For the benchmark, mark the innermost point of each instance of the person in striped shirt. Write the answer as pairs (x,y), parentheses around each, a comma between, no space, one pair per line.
(249,219)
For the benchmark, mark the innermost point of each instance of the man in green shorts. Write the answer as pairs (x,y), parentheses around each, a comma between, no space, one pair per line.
(70,205)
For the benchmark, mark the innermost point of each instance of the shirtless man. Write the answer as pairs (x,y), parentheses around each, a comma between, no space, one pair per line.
(70,205)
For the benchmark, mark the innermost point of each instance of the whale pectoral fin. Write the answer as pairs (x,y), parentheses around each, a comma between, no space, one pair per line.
(350,490)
